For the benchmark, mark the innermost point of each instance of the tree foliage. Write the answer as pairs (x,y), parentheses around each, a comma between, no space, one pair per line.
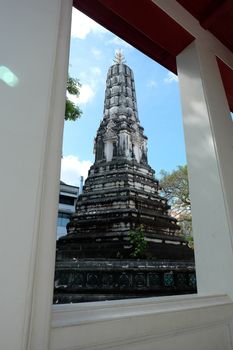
(175,188)
(72,112)
(138,241)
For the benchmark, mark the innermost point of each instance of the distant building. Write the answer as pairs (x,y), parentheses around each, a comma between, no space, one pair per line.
(67,201)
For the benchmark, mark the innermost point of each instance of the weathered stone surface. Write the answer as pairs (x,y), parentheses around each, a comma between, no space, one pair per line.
(121,192)
(92,280)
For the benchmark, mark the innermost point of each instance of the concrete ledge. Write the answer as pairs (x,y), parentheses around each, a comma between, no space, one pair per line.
(123,324)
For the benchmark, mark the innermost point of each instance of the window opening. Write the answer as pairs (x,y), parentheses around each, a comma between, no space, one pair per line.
(123,241)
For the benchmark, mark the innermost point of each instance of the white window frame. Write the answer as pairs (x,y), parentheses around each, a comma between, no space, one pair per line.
(68,320)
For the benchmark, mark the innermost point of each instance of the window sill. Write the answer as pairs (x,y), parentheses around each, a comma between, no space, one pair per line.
(130,324)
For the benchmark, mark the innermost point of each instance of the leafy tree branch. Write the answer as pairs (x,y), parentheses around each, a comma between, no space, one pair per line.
(72,112)
(175,188)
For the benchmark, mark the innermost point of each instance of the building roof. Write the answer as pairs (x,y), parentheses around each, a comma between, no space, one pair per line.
(158,35)
(64,184)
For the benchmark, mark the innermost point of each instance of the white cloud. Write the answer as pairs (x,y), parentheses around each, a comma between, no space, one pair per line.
(85,96)
(90,81)
(97,53)
(95,70)
(119,42)
(170,78)
(83,25)
(72,98)
(152,84)
(83,75)
(72,168)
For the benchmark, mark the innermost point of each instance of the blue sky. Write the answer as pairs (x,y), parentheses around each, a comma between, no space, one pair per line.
(92,52)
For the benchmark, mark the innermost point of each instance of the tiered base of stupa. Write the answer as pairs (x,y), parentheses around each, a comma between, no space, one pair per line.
(95,280)
(119,197)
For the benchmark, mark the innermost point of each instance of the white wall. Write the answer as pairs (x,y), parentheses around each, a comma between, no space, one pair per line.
(209,144)
(175,323)
(30,143)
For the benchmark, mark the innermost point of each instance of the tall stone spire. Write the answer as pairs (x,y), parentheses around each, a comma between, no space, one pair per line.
(120,193)
(120,134)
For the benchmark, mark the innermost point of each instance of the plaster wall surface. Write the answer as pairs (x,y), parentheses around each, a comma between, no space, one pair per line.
(176,323)
(208,135)
(29,45)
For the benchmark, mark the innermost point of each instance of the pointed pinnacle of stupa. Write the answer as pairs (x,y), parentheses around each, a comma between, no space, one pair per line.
(119,57)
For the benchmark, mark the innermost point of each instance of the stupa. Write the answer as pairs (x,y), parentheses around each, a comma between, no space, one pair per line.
(121,193)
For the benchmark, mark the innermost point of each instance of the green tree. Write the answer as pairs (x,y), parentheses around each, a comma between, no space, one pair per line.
(138,241)
(175,188)
(72,112)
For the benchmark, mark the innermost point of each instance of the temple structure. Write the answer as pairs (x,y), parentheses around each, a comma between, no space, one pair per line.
(121,192)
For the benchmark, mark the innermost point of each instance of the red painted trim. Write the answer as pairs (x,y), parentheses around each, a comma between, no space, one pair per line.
(227,79)
(215,15)
(153,22)
(145,27)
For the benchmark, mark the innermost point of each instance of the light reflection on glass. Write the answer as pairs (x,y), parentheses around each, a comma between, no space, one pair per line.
(8,76)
